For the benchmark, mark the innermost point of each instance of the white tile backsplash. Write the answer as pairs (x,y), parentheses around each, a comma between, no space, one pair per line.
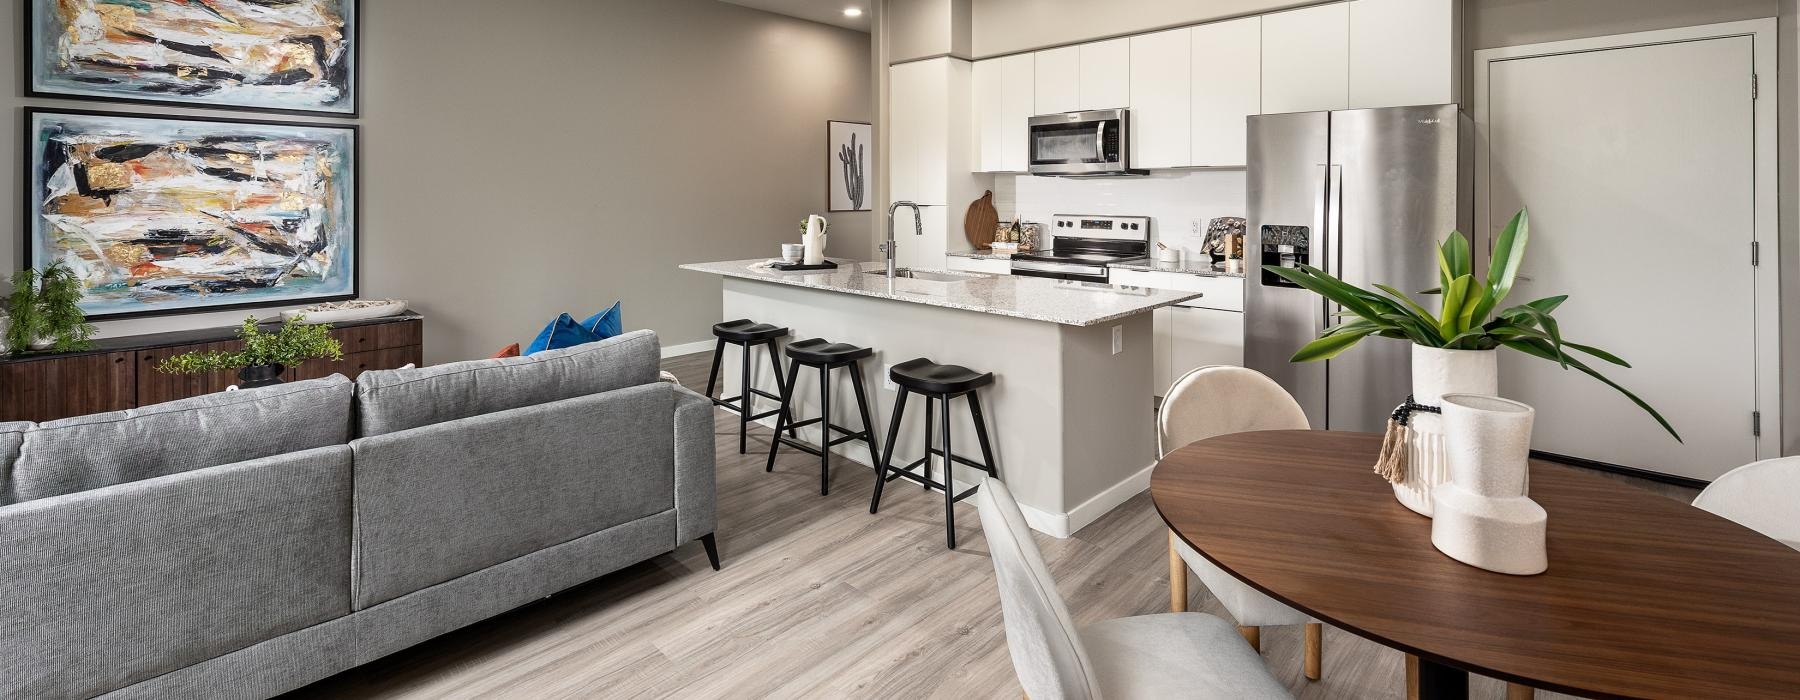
(1173,200)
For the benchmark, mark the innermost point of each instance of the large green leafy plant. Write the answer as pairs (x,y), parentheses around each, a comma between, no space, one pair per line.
(45,305)
(1470,316)
(296,342)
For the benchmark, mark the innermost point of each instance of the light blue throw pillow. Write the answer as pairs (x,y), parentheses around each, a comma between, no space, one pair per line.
(606,324)
(563,332)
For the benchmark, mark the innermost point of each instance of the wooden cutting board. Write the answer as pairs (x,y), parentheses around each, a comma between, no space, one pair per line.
(981,221)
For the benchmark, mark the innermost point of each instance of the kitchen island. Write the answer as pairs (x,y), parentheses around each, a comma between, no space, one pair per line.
(1069,410)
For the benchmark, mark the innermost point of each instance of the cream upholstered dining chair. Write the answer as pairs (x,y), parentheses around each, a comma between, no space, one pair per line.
(1763,496)
(1220,400)
(1169,655)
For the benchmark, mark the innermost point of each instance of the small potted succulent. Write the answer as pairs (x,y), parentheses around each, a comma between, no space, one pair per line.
(43,312)
(265,355)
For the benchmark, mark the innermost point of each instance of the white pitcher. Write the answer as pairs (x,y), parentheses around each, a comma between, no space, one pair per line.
(814,240)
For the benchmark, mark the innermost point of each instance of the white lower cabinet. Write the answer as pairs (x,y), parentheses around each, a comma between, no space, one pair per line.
(1208,330)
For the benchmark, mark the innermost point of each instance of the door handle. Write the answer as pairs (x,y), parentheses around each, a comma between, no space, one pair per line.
(1100,143)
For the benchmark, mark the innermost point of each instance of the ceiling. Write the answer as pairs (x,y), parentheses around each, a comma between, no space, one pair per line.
(825,11)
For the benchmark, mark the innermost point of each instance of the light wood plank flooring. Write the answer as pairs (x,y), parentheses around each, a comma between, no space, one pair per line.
(819,599)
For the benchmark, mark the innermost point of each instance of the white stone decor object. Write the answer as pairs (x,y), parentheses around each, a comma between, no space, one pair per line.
(353,310)
(1483,516)
(1436,372)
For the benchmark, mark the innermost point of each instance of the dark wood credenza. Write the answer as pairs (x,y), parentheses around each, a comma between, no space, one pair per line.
(120,373)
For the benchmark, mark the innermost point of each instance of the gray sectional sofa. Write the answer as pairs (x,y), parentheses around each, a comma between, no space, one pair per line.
(247,543)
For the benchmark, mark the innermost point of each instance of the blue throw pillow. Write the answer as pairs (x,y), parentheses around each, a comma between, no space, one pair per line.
(563,332)
(606,324)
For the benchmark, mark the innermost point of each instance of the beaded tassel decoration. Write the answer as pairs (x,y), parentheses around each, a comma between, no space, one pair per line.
(1391,465)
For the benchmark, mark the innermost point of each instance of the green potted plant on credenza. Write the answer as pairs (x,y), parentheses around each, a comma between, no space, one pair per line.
(264,355)
(43,312)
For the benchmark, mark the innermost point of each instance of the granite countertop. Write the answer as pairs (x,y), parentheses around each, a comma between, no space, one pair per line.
(1034,298)
(1184,267)
(980,254)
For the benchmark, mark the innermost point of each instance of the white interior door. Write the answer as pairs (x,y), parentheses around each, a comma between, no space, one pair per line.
(1639,165)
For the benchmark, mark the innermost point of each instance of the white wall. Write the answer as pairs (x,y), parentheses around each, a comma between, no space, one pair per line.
(1174,200)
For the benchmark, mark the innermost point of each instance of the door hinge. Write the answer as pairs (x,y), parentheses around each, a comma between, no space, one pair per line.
(1755,87)
(1755,253)
(1756,423)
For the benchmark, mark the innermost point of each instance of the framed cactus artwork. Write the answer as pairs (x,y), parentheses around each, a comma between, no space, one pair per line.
(847,165)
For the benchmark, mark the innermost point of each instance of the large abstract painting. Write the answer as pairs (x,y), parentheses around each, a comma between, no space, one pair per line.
(280,55)
(165,215)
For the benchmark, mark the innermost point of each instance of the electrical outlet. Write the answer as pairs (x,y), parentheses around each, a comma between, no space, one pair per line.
(1118,339)
(1197,228)
(887,379)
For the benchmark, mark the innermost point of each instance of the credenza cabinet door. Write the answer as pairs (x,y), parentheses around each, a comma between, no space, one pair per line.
(1305,59)
(1161,99)
(1227,89)
(61,387)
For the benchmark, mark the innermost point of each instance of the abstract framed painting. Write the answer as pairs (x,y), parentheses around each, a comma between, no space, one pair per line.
(163,215)
(847,165)
(290,56)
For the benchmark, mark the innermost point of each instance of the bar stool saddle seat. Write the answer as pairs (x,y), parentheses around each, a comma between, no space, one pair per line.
(818,351)
(927,377)
(745,330)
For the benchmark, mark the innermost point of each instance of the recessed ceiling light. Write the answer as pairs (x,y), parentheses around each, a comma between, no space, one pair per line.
(852,12)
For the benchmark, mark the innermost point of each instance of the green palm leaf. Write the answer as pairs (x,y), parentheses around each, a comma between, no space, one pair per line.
(1542,349)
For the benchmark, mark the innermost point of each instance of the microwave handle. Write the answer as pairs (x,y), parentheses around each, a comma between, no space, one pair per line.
(1100,142)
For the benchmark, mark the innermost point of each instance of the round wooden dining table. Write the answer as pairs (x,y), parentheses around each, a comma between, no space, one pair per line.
(1645,596)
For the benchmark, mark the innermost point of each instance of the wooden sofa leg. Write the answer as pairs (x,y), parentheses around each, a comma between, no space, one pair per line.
(1315,641)
(712,549)
(1178,594)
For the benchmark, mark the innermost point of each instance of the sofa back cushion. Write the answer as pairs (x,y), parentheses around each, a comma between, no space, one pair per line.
(114,586)
(400,399)
(88,452)
(445,500)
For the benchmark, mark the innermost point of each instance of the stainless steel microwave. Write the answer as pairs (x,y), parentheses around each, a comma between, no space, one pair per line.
(1095,143)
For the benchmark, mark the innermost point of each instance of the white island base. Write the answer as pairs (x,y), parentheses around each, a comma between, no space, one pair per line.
(1072,421)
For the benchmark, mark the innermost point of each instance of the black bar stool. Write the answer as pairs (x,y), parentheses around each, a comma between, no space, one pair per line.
(746,334)
(938,383)
(825,356)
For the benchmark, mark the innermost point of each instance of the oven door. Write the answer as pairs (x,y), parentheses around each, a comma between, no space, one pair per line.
(1080,143)
(1061,271)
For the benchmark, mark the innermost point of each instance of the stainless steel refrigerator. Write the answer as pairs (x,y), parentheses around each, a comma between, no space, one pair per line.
(1366,195)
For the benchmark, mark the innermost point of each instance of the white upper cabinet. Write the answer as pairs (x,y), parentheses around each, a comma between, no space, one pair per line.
(1105,74)
(1402,52)
(1305,59)
(1161,125)
(1057,76)
(1004,98)
(1227,89)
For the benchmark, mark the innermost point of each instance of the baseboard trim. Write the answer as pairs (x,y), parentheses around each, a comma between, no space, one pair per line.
(1104,502)
(669,351)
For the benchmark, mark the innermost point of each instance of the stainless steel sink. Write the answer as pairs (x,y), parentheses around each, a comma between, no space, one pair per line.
(911,274)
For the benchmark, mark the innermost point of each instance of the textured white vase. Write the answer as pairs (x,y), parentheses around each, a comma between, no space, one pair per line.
(1436,372)
(1483,516)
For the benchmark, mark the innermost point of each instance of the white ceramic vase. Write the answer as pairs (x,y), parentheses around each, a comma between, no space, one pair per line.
(1436,372)
(1483,516)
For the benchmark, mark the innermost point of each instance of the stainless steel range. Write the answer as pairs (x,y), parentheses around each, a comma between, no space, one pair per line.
(1082,246)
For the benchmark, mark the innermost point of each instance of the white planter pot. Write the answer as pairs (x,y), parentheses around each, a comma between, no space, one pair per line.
(1436,372)
(1483,516)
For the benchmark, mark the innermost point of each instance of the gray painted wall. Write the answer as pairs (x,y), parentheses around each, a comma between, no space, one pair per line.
(525,159)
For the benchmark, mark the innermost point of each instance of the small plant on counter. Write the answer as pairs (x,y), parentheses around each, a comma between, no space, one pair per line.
(265,355)
(44,311)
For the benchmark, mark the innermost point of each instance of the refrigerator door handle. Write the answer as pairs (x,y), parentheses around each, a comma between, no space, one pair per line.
(1326,218)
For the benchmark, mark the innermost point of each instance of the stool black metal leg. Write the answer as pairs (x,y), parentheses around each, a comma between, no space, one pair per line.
(825,430)
(785,419)
(949,478)
(712,380)
(981,434)
(884,464)
(744,405)
(930,411)
(862,407)
(781,388)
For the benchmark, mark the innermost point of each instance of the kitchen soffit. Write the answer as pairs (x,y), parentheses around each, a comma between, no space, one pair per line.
(823,11)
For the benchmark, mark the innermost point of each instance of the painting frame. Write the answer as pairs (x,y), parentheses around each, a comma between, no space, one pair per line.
(834,174)
(31,212)
(29,69)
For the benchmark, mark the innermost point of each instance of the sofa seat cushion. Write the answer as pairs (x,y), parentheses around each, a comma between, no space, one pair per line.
(400,399)
(114,586)
(103,449)
(450,499)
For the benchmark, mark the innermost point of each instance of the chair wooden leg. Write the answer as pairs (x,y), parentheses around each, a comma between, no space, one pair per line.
(1514,691)
(1315,641)
(1412,677)
(1178,575)
(1253,635)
